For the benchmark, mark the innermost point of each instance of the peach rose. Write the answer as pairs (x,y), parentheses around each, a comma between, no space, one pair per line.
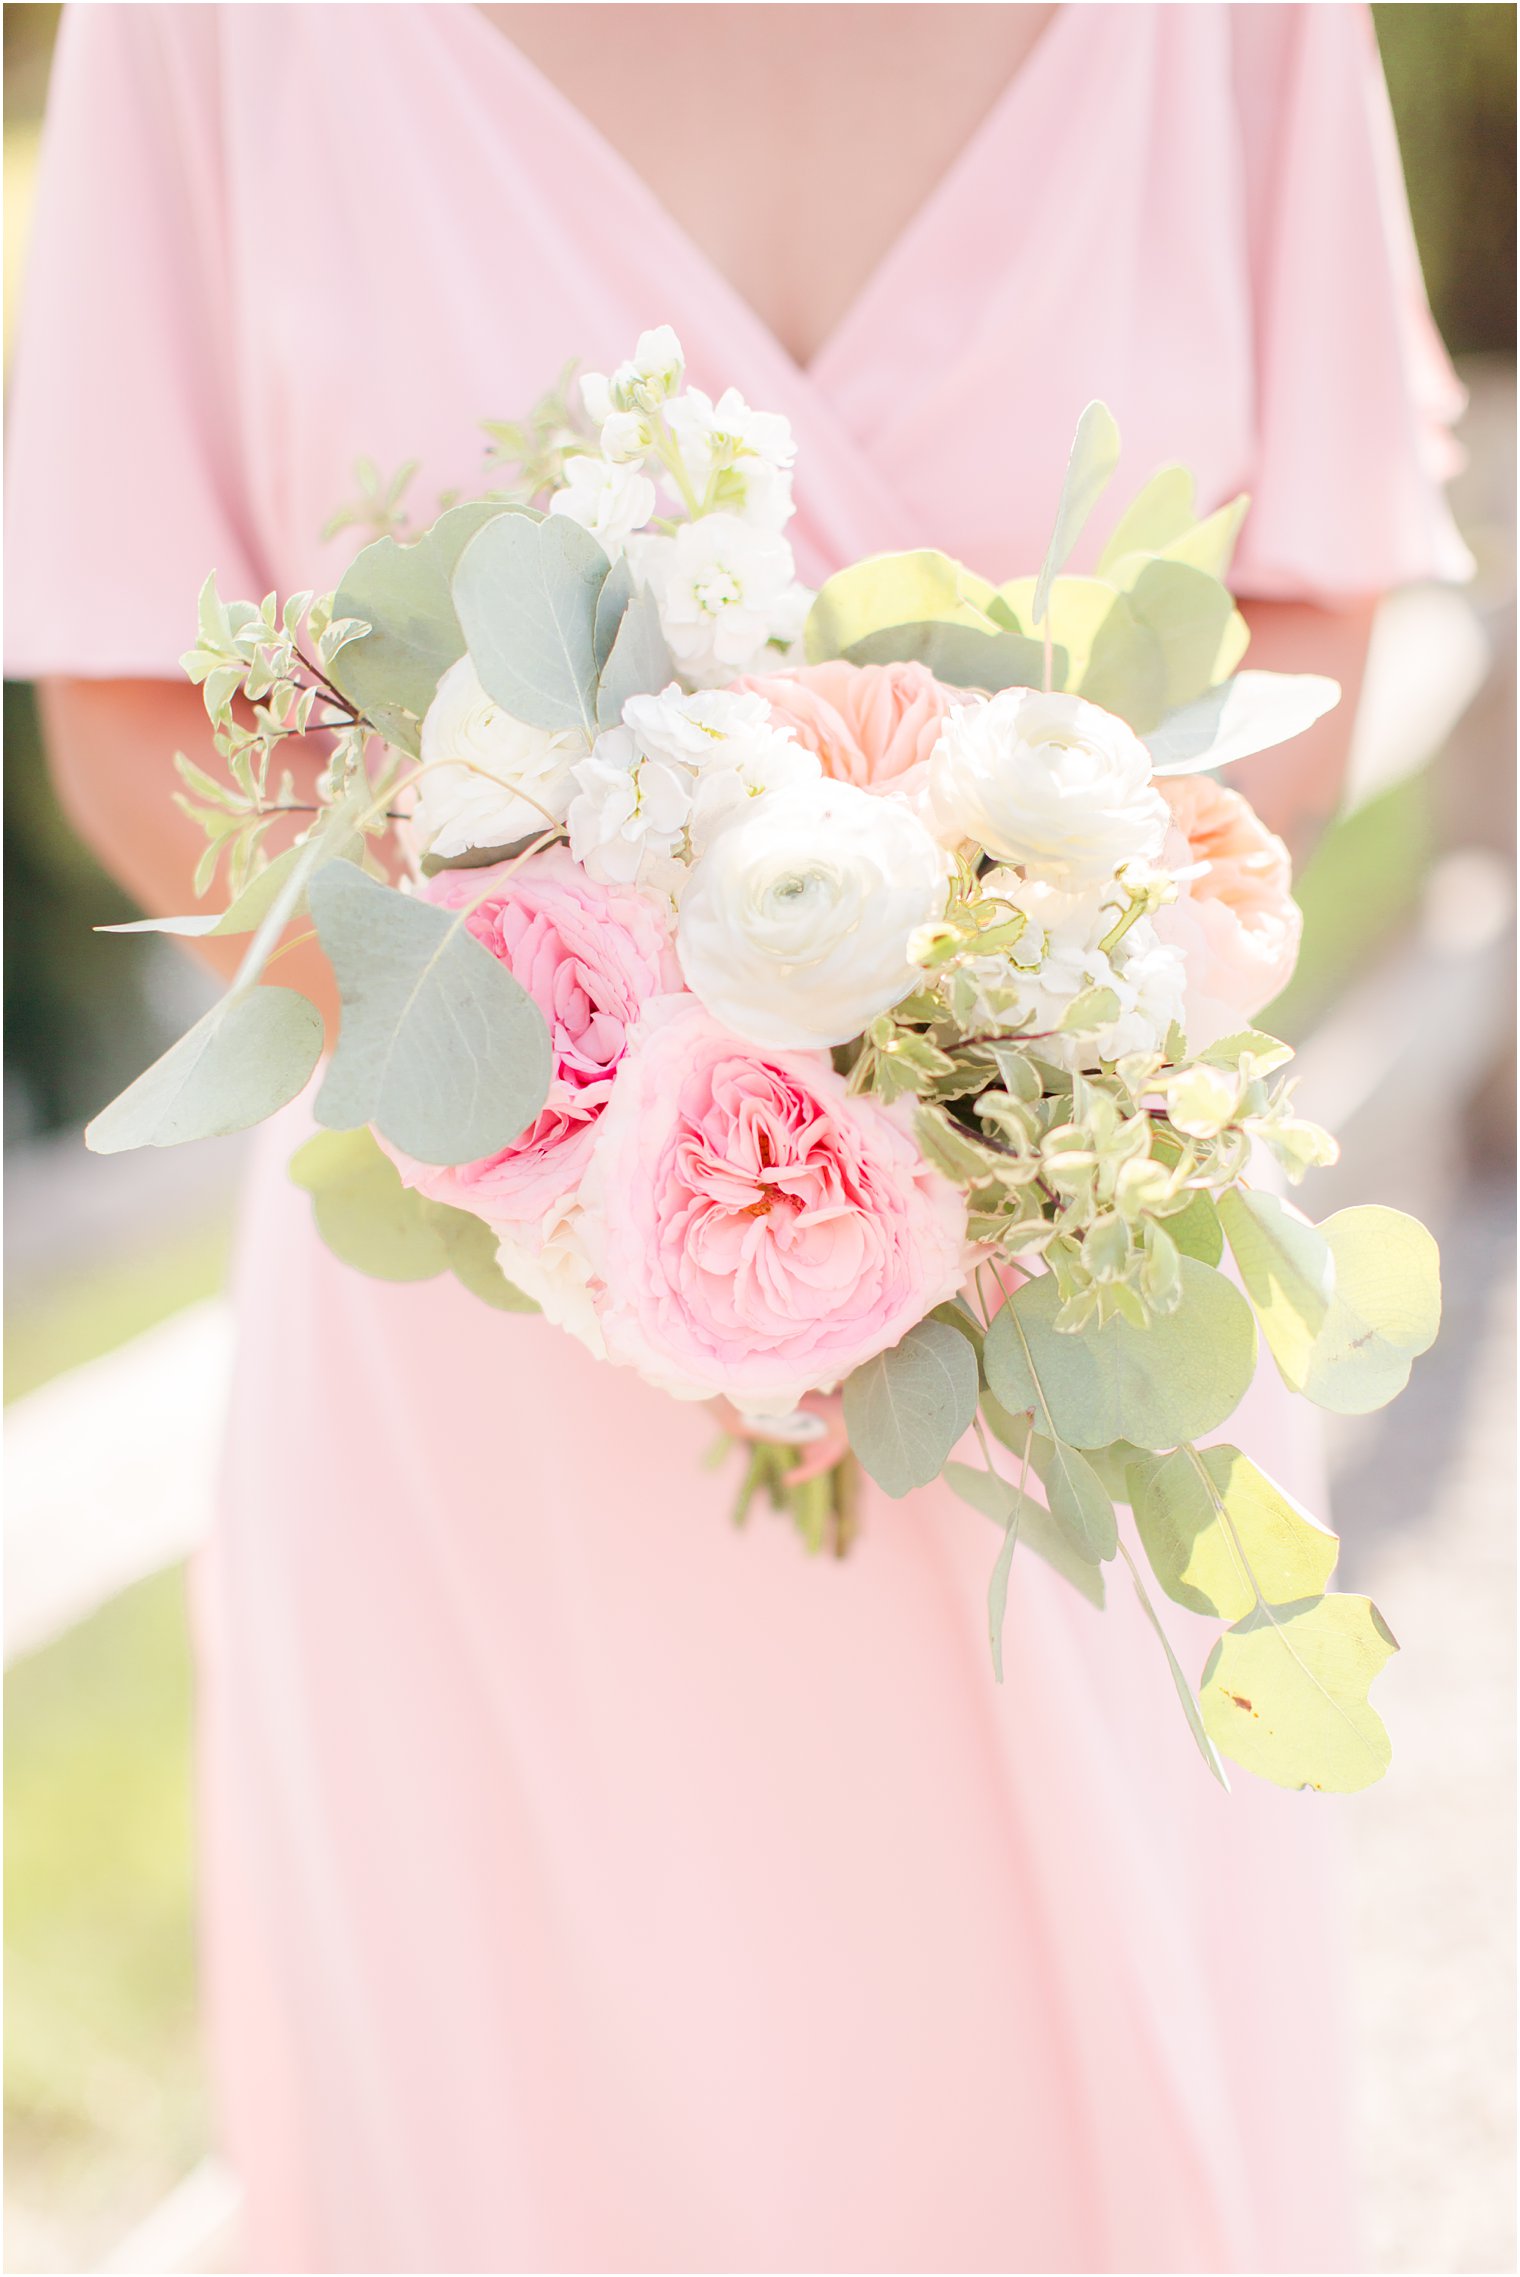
(873,725)
(590,956)
(756,1230)
(1236,922)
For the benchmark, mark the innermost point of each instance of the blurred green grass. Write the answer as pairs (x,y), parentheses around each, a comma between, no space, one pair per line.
(105,2106)
(80,1316)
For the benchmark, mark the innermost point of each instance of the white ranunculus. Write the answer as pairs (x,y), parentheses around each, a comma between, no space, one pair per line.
(1049,782)
(725,591)
(495,779)
(609,501)
(751,453)
(795,922)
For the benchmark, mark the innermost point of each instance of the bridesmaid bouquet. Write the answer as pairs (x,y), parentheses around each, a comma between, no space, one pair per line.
(790,991)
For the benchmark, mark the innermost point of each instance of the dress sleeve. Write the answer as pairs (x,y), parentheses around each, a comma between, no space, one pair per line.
(1355,396)
(125,479)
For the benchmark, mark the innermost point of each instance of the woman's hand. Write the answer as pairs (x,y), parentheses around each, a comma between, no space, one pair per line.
(815,1457)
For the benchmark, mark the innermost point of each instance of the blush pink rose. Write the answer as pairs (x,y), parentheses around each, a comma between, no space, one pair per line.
(873,725)
(1237,921)
(590,956)
(755,1230)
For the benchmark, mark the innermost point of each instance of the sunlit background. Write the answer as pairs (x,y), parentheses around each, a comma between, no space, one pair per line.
(116,1348)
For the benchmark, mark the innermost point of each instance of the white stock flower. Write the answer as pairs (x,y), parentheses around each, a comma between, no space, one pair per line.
(731,744)
(525,778)
(752,453)
(1049,782)
(652,372)
(609,501)
(725,591)
(628,816)
(795,922)
(663,782)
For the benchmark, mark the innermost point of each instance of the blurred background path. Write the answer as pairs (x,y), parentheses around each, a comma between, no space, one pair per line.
(117,1344)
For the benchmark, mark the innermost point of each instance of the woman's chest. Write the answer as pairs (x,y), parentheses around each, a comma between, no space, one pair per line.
(465,232)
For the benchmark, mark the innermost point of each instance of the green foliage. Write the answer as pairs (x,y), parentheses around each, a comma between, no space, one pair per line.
(996,1499)
(961,656)
(1285,1693)
(1163,643)
(1190,1706)
(240,1063)
(906,1409)
(439,1047)
(374,1223)
(378,507)
(1161,511)
(527,457)
(1288,1271)
(403,594)
(527,593)
(892,589)
(1251,711)
(1385,1310)
(1078,1500)
(637,662)
(252,653)
(997,1583)
(1094,456)
(1217,1530)
(1147,637)
(1196,1230)
(1176,1379)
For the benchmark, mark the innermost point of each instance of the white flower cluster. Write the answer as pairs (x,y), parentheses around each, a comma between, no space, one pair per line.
(1061,791)
(722,574)
(655,790)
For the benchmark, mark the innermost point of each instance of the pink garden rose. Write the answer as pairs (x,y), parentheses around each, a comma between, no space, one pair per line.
(590,956)
(873,725)
(756,1230)
(1237,922)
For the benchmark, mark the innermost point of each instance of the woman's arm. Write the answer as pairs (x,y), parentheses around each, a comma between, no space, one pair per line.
(111,744)
(1297,789)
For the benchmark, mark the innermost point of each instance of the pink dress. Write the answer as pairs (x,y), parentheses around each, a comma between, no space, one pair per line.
(590,1887)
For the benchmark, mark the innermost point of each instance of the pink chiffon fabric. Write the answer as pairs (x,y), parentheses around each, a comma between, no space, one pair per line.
(588,1886)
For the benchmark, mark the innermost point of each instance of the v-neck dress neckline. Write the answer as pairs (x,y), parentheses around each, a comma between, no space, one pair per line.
(887,276)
